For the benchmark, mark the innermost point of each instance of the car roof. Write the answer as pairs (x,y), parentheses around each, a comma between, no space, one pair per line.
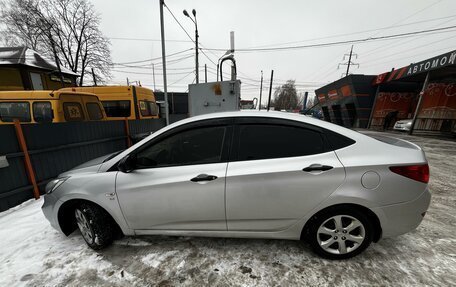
(38,95)
(272,115)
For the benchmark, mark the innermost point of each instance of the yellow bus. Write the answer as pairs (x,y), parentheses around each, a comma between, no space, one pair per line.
(49,107)
(120,102)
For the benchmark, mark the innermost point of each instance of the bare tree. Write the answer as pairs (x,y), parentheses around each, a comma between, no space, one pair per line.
(72,26)
(286,97)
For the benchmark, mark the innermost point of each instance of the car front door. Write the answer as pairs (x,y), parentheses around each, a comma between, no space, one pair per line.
(279,172)
(179,180)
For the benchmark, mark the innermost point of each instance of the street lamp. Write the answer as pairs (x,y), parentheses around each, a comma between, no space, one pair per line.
(196,41)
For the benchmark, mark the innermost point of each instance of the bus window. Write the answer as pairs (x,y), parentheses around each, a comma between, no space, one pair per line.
(94,111)
(73,111)
(117,108)
(15,110)
(42,112)
(153,108)
(145,109)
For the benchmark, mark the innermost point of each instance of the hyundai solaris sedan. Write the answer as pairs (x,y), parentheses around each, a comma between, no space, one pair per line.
(248,175)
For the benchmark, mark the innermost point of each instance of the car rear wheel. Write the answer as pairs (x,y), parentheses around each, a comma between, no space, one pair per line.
(340,233)
(95,225)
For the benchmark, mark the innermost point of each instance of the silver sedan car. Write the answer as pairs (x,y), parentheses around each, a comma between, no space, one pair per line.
(248,175)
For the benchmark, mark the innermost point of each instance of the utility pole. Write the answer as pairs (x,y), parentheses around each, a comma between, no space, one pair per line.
(205,73)
(196,42)
(418,105)
(270,89)
(197,49)
(153,73)
(165,88)
(261,90)
(349,63)
(304,104)
(128,82)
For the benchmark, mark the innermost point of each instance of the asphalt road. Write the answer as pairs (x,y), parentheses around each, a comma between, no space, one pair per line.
(424,257)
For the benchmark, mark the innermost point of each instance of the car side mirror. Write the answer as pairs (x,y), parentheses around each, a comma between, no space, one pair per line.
(127,164)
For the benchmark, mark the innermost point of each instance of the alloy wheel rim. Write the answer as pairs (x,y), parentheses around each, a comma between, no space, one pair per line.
(84,226)
(341,234)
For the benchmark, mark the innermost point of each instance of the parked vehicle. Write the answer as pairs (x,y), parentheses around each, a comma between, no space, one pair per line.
(120,102)
(252,175)
(49,106)
(403,125)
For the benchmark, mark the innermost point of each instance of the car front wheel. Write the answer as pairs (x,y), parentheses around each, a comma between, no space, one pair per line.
(95,225)
(340,233)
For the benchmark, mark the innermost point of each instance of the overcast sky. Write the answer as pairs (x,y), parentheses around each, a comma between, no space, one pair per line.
(273,24)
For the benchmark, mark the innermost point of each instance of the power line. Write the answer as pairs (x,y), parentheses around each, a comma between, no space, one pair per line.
(166,6)
(408,50)
(153,59)
(188,74)
(147,40)
(358,32)
(417,12)
(149,66)
(400,43)
(188,35)
(401,35)
(142,73)
(410,56)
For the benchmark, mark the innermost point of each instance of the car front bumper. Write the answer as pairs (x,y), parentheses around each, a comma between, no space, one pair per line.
(49,208)
(397,219)
(401,127)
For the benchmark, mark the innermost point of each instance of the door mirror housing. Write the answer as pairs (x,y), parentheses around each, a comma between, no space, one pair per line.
(127,164)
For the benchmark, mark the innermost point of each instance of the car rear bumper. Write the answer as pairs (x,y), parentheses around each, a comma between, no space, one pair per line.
(401,218)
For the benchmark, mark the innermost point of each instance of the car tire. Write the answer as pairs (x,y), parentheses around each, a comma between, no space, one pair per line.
(340,233)
(95,225)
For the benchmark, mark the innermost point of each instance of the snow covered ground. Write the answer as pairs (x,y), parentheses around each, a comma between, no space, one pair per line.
(34,254)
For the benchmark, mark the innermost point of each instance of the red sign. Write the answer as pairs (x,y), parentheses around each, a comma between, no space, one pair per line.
(379,79)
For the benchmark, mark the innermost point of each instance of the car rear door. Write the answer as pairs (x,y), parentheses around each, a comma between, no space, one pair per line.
(280,170)
(179,182)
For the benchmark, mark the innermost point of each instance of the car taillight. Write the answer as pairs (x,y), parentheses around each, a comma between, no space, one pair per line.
(415,172)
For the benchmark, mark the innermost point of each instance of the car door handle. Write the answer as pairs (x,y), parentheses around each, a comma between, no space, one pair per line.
(203,177)
(317,167)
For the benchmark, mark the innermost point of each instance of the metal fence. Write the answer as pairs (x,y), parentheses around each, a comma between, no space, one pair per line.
(57,147)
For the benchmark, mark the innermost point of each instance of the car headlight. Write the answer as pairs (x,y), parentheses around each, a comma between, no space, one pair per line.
(54,184)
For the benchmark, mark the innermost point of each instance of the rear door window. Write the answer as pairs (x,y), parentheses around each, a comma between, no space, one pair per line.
(42,112)
(94,111)
(268,141)
(117,108)
(73,111)
(15,110)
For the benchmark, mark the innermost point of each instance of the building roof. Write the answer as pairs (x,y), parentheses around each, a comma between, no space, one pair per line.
(28,57)
(441,66)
